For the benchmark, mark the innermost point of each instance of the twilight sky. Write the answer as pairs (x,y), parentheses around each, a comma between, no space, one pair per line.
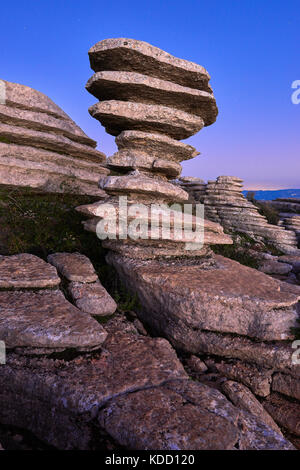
(250,48)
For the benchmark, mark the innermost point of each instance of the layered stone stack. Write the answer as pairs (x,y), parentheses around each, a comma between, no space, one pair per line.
(149,100)
(289,214)
(291,222)
(195,187)
(41,147)
(226,205)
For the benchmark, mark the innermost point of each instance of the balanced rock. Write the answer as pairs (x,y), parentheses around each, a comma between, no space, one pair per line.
(149,100)
(41,147)
(138,56)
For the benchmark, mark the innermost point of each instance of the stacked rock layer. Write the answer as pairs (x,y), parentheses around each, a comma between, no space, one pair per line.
(289,214)
(41,147)
(149,100)
(225,204)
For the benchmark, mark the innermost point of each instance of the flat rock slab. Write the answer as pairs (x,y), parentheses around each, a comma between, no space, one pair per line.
(74,266)
(26,271)
(274,267)
(117,116)
(139,183)
(92,298)
(135,392)
(155,144)
(45,319)
(293,260)
(206,299)
(139,56)
(127,86)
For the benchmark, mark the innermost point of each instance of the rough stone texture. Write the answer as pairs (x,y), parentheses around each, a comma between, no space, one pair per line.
(74,266)
(294,261)
(275,355)
(287,385)
(42,147)
(243,399)
(196,365)
(180,311)
(156,145)
(257,379)
(117,116)
(49,171)
(59,400)
(274,267)
(226,205)
(26,271)
(138,56)
(127,86)
(45,319)
(92,298)
(202,413)
(138,183)
(285,413)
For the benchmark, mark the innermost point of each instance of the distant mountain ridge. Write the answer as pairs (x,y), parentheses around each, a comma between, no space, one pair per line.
(269,195)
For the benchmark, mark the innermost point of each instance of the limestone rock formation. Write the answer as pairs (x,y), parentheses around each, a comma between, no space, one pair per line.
(149,100)
(289,213)
(84,286)
(181,311)
(134,393)
(225,204)
(41,147)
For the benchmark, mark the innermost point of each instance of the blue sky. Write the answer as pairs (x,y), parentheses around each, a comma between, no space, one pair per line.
(250,48)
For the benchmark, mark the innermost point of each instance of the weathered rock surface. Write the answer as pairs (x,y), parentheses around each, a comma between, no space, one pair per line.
(286,385)
(117,116)
(208,298)
(226,205)
(45,319)
(74,267)
(137,392)
(275,267)
(26,271)
(139,183)
(50,171)
(92,298)
(129,86)
(155,145)
(42,147)
(257,379)
(242,398)
(293,260)
(285,413)
(138,56)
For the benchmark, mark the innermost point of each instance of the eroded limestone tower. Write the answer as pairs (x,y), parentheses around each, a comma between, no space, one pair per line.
(149,100)
(42,147)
